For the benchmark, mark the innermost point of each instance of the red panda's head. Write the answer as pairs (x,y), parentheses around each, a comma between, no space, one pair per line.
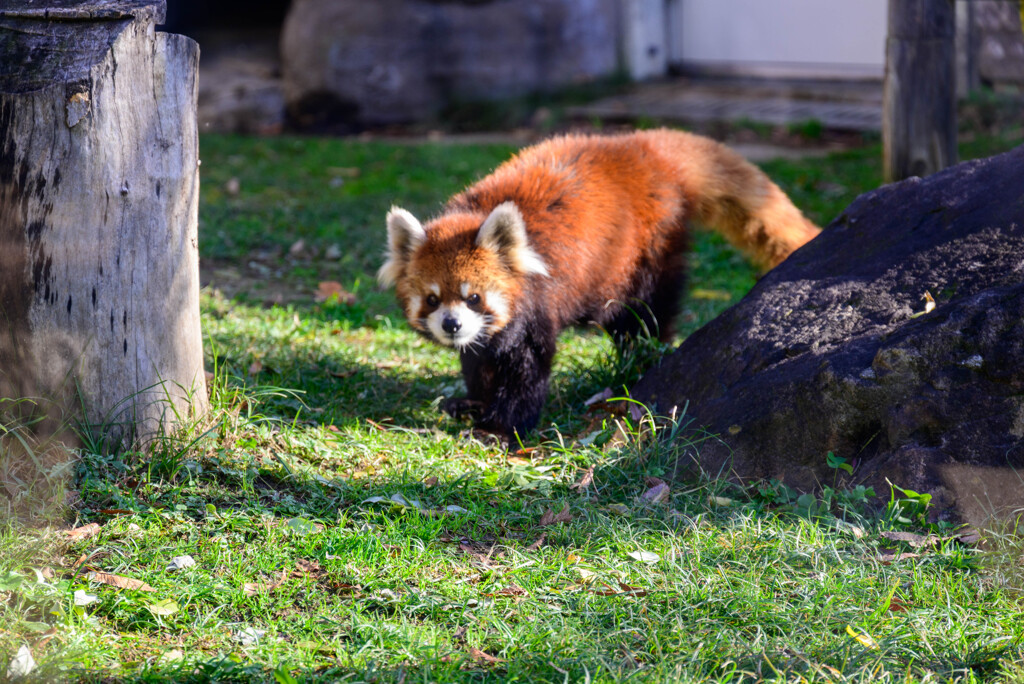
(459,277)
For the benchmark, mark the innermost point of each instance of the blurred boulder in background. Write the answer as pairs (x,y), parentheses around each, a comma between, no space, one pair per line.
(397,61)
(1001,43)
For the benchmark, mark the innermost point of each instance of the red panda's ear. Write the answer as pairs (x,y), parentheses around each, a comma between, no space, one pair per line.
(405,234)
(504,233)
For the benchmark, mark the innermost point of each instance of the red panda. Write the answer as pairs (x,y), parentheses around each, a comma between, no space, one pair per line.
(577,229)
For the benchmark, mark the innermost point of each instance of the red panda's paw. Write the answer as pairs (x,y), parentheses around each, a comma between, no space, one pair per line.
(459,407)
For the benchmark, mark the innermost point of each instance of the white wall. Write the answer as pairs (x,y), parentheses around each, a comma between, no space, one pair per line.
(780,37)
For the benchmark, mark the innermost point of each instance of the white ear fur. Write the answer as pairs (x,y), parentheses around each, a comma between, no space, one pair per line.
(405,234)
(504,233)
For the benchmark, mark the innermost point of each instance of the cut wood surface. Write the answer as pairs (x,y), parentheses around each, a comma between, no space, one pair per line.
(99,282)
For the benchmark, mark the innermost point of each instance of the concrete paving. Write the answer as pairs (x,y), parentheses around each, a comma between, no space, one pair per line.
(853,105)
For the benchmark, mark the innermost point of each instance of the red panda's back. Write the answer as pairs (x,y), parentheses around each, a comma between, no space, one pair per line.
(595,208)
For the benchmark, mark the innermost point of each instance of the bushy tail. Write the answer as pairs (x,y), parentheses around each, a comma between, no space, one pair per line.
(732,196)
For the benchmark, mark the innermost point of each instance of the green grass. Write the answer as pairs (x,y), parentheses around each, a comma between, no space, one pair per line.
(323,413)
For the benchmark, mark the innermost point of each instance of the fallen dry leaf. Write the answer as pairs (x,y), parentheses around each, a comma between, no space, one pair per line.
(603,395)
(887,556)
(915,540)
(623,590)
(84,532)
(306,567)
(968,536)
(536,545)
(431,481)
(253,588)
(511,590)
(550,517)
(255,367)
(332,288)
(659,493)
(483,657)
(585,481)
(898,606)
(119,581)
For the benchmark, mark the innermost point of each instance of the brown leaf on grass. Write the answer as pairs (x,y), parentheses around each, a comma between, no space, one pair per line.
(510,590)
(887,556)
(119,581)
(482,657)
(375,425)
(84,532)
(254,588)
(917,541)
(623,590)
(78,563)
(306,567)
(585,481)
(431,481)
(344,588)
(536,545)
(659,493)
(332,288)
(550,517)
(898,606)
(968,536)
(602,396)
(255,367)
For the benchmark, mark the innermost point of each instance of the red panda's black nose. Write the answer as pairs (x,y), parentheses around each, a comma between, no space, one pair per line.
(451,324)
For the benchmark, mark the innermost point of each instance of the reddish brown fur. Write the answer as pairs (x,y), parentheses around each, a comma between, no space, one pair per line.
(610,205)
(608,216)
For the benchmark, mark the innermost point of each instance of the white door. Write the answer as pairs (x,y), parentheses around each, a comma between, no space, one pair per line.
(811,38)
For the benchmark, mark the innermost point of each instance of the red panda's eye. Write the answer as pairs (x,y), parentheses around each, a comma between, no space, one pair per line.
(432,300)
(473,299)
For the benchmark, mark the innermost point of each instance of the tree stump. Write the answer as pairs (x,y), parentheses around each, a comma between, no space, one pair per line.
(99,183)
(919,95)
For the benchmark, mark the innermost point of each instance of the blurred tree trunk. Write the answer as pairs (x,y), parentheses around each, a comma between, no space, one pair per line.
(919,102)
(99,278)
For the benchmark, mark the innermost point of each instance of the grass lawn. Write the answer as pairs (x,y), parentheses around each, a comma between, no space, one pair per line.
(341,529)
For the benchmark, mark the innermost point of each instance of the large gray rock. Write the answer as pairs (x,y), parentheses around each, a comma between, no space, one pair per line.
(831,351)
(1001,43)
(388,61)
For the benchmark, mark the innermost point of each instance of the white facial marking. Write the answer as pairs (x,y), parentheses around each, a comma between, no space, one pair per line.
(471,324)
(497,303)
(464,290)
(412,309)
(435,288)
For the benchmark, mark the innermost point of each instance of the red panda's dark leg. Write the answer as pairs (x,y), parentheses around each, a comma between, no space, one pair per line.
(655,305)
(507,380)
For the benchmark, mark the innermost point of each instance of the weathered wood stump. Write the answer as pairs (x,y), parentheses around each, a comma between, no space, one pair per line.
(919,95)
(99,269)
